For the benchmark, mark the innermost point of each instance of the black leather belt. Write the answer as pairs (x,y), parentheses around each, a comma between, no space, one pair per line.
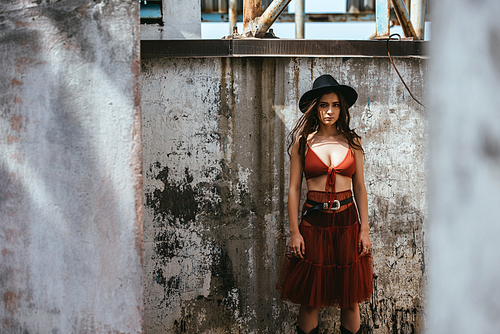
(326,206)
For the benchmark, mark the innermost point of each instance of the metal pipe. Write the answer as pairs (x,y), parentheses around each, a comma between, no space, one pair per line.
(299,19)
(418,17)
(233,16)
(404,18)
(259,27)
(251,10)
(382,13)
(209,5)
(222,4)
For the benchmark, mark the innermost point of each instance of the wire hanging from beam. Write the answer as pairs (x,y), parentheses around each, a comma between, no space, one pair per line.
(404,83)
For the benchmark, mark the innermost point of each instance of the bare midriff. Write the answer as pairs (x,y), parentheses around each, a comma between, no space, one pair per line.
(318,183)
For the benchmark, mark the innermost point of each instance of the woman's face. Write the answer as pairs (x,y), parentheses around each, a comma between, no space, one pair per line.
(328,109)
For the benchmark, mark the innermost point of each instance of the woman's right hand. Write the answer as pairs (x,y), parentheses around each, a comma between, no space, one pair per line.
(297,246)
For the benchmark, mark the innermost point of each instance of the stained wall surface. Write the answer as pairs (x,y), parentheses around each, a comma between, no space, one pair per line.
(216,183)
(181,19)
(70,167)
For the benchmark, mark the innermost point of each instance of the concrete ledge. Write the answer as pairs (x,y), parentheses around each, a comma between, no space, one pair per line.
(280,48)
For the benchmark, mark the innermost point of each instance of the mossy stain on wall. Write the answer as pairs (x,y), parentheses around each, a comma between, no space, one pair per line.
(167,245)
(177,199)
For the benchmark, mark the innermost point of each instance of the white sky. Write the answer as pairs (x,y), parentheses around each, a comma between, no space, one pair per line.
(313,30)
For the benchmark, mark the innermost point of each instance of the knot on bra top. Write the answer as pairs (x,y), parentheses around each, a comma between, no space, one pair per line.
(330,180)
(314,166)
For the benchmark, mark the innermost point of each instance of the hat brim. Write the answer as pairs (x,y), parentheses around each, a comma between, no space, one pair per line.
(350,95)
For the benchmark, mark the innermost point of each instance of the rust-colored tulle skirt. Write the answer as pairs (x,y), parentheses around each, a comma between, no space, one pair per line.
(331,273)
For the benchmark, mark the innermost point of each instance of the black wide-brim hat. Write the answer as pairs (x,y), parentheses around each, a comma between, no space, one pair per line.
(323,84)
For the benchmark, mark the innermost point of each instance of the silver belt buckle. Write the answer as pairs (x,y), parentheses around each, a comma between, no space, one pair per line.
(326,206)
(336,205)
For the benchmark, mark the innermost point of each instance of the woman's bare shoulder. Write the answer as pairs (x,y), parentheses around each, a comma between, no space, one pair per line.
(311,137)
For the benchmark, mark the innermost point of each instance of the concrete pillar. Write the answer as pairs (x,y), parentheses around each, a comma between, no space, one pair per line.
(70,168)
(464,164)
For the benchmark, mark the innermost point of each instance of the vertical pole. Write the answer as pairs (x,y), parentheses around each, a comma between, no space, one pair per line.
(233,16)
(209,6)
(251,10)
(222,6)
(417,17)
(299,19)
(382,13)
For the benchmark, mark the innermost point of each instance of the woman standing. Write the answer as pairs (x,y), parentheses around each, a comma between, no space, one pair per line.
(329,261)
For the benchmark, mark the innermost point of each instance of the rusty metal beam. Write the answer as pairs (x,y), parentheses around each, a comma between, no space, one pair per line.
(403,18)
(251,10)
(279,48)
(259,26)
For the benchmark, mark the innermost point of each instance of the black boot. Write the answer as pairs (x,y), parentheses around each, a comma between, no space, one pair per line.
(314,331)
(344,330)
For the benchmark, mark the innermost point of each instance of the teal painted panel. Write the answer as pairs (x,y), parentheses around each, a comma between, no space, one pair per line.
(150,11)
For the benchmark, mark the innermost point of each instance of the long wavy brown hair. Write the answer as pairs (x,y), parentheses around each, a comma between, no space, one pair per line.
(309,122)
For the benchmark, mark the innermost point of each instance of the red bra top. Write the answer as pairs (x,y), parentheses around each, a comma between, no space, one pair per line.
(314,166)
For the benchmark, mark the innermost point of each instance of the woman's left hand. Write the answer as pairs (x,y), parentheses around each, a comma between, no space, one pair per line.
(364,243)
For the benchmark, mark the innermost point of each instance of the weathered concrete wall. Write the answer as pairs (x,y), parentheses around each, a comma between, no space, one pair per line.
(464,190)
(70,171)
(216,182)
(181,20)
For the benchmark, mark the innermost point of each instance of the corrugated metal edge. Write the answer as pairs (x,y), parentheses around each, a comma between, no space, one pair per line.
(280,48)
